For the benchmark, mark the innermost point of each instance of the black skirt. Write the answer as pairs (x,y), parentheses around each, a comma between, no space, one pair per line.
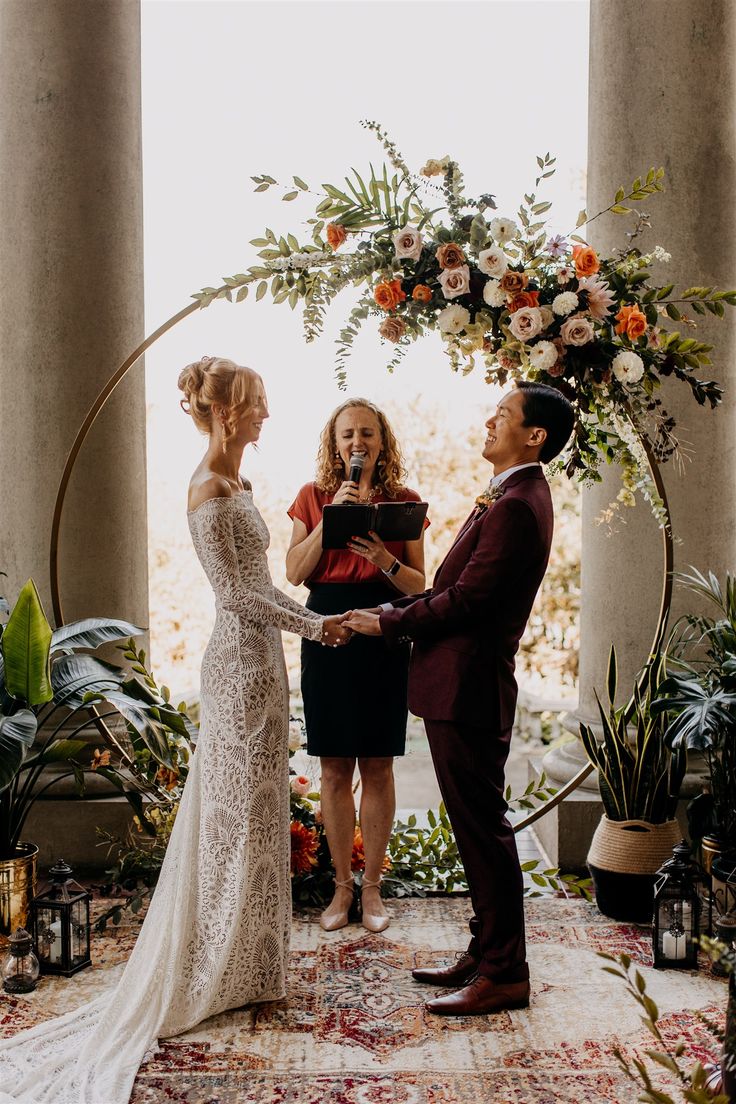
(354,695)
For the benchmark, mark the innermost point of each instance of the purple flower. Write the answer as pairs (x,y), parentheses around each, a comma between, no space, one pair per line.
(557,246)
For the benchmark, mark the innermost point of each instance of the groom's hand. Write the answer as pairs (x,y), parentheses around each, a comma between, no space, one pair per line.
(366,622)
(335,630)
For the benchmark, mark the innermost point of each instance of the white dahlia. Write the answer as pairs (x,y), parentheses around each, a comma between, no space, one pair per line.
(628,367)
(543,355)
(565,302)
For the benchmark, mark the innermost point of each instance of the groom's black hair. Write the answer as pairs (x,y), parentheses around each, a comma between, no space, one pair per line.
(547,408)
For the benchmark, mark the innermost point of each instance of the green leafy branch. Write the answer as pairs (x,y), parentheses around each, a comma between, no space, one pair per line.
(639,190)
(691,1083)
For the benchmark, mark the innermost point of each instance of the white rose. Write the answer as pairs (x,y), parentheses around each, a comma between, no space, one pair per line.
(493,261)
(408,244)
(504,230)
(543,355)
(577,331)
(526,323)
(455,281)
(628,367)
(493,294)
(564,303)
(453,319)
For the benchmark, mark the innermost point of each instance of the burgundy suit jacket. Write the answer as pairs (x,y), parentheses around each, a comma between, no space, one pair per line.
(466,630)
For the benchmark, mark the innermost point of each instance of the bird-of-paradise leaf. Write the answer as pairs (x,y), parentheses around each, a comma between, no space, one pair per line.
(74,676)
(25,643)
(138,716)
(17,734)
(59,751)
(92,632)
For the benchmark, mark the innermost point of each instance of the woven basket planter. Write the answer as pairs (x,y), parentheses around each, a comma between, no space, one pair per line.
(624,856)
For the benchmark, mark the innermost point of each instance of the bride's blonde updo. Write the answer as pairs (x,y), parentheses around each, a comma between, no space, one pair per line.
(222,381)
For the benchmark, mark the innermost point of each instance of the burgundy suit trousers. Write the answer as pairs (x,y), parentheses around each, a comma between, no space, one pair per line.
(470,762)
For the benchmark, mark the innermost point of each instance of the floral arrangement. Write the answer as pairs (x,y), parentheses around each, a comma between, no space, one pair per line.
(530,304)
(419,860)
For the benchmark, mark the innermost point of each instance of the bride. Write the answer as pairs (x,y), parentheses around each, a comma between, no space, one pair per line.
(216,935)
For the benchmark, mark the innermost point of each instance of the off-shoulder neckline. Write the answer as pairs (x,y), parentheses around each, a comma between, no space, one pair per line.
(219,498)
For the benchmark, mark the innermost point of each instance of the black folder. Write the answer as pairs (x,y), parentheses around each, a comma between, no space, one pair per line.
(392,521)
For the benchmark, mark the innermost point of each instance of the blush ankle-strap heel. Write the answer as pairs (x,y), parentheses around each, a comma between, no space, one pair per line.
(374,920)
(335,917)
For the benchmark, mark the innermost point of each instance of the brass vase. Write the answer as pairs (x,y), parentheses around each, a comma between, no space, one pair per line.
(17,888)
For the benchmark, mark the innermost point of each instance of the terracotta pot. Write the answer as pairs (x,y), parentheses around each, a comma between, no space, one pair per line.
(17,888)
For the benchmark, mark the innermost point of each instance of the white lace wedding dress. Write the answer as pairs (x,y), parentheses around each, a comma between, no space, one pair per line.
(217,932)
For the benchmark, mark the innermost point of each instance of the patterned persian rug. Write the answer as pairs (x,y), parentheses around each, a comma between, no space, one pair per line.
(354,1030)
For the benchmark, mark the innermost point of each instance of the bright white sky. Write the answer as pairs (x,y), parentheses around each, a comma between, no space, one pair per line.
(236,88)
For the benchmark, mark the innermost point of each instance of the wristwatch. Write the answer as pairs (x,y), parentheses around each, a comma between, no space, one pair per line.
(393,569)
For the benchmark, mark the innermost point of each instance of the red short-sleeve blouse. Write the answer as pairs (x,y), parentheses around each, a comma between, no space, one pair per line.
(337,565)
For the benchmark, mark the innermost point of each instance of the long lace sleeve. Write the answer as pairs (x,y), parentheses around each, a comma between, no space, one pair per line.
(288,603)
(214,539)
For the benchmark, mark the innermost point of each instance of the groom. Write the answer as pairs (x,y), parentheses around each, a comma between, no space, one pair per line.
(465,632)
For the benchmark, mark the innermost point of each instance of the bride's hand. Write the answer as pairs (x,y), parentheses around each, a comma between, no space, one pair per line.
(335,631)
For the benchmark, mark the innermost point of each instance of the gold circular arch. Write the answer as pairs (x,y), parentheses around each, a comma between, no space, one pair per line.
(122,371)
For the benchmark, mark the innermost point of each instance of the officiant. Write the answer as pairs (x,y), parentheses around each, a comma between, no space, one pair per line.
(355,697)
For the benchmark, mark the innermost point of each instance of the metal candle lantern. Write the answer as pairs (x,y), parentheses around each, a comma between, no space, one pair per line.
(20,969)
(676,924)
(61,929)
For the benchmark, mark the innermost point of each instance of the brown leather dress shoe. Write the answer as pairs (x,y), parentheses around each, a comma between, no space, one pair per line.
(480,997)
(458,974)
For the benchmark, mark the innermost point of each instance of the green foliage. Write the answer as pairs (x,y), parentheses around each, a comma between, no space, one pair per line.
(690,1083)
(421,860)
(698,704)
(26,642)
(639,776)
(620,417)
(48,694)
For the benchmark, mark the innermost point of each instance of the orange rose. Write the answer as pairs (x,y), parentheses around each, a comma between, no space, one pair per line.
(586,260)
(512,282)
(304,847)
(389,294)
(524,299)
(422,293)
(450,255)
(336,234)
(631,321)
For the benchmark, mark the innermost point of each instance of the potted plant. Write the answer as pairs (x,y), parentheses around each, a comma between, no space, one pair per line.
(640,779)
(48,691)
(699,701)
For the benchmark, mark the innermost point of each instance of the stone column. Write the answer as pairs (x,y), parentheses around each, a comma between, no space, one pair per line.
(71,310)
(661,92)
(71,299)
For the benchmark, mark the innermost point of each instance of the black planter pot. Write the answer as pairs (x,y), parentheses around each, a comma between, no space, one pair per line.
(626,897)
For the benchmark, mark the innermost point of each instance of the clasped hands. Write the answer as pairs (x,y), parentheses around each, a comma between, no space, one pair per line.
(338,629)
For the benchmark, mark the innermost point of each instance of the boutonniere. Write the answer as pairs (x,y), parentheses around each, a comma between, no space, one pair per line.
(489,496)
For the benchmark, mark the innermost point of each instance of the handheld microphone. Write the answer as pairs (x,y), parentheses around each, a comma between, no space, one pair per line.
(357,460)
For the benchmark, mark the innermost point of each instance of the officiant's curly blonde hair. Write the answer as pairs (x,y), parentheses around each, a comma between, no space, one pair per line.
(389,473)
